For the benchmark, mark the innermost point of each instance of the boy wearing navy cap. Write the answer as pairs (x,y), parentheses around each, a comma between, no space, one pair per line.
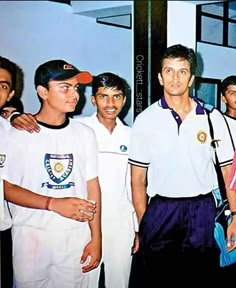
(61,161)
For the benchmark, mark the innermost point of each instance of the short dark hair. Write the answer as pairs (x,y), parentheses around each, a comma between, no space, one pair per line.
(230,80)
(180,51)
(109,80)
(11,67)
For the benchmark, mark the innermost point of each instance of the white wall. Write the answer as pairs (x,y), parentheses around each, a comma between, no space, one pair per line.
(181,23)
(33,32)
(218,62)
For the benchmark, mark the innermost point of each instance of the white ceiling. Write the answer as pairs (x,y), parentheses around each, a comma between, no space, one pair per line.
(117,16)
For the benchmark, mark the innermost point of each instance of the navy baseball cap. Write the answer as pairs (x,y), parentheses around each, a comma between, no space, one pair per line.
(59,70)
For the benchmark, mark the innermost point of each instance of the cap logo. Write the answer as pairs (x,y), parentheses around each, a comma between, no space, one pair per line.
(68,67)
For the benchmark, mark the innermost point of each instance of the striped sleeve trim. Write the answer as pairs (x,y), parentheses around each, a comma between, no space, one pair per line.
(137,163)
(225,163)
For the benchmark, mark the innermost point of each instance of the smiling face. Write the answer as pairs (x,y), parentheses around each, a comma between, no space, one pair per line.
(175,76)
(109,102)
(5,87)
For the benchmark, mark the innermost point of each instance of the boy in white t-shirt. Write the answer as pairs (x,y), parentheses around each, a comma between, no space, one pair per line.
(8,73)
(7,91)
(60,162)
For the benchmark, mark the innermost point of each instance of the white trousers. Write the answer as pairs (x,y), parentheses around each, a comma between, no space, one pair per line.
(117,238)
(49,259)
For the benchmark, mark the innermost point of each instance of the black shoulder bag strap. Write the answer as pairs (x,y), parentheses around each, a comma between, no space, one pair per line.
(220,177)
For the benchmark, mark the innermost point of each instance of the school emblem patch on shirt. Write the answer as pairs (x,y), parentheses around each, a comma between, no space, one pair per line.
(202,136)
(123,148)
(2,160)
(59,168)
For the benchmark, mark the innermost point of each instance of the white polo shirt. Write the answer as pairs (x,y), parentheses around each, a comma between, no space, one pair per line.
(113,165)
(178,154)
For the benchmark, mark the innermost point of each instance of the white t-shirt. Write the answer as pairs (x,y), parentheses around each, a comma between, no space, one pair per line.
(56,162)
(4,127)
